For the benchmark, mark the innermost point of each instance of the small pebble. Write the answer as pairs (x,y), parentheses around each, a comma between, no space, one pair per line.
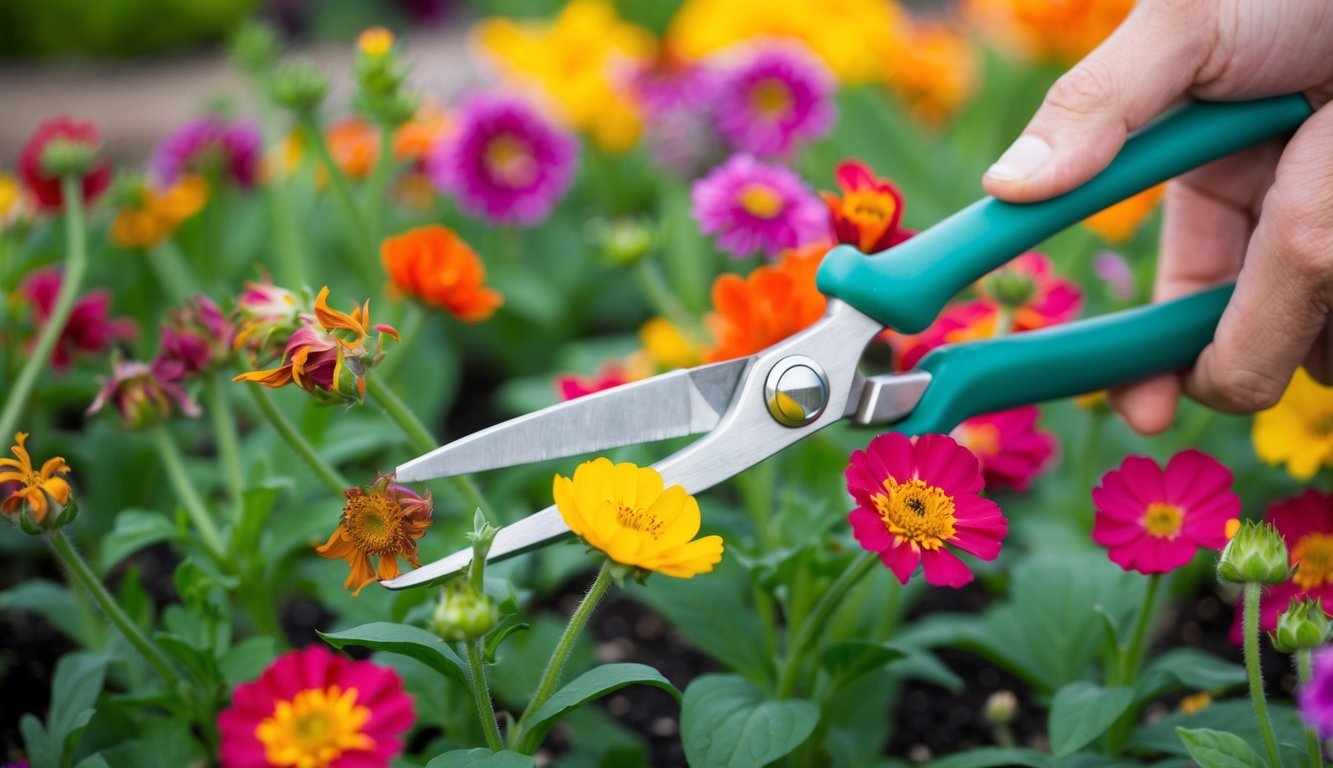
(614,650)
(619,705)
(1207,608)
(664,726)
(650,626)
(919,753)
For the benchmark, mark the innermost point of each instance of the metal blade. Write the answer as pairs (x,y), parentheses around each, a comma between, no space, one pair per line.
(684,402)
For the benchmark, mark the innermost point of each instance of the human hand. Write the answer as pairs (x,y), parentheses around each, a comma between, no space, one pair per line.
(1263,217)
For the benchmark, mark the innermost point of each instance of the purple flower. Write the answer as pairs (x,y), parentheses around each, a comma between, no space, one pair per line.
(506,163)
(1316,697)
(752,206)
(209,144)
(196,336)
(1112,268)
(677,100)
(144,394)
(774,98)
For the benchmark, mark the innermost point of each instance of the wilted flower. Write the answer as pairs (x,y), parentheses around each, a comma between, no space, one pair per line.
(774,98)
(89,330)
(751,206)
(868,214)
(263,312)
(766,306)
(73,146)
(211,147)
(150,215)
(1119,222)
(1029,287)
(196,336)
(434,265)
(1298,431)
(506,162)
(936,73)
(624,511)
(144,394)
(313,709)
(384,521)
(1113,270)
(1302,627)
(1010,447)
(913,498)
(1316,696)
(39,491)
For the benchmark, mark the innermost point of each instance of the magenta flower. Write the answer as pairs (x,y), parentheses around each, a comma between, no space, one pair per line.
(678,100)
(196,336)
(89,330)
(143,393)
(912,498)
(1112,268)
(209,146)
(1153,520)
(774,98)
(506,162)
(1011,449)
(752,206)
(1316,696)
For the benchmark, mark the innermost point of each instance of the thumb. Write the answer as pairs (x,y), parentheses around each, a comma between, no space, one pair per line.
(1148,62)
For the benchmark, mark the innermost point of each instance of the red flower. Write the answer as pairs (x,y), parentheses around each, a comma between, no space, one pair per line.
(1038,297)
(88,329)
(45,188)
(868,213)
(956,324)
(1011,449)
(1306,522)
(572,386)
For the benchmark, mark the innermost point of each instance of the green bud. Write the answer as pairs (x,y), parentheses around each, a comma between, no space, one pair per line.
(1011,288)
(254,48)
(623,242)
(61,157)
(1303,626)
(1256,554)
(1001,708)
(57,516)
(300,87)
(463,615)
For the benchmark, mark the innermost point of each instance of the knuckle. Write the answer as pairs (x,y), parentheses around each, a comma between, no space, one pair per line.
(1303,235)
(1245,390)
(1084,90)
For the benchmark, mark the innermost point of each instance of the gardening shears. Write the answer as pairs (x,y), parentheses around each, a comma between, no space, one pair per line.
(751,408)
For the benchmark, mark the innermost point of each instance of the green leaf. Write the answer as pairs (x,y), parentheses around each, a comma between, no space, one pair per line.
(994,757)
(1218,749)
(36,742)
(407,640)
(247,659)
(1233,716)
(135,529)
(93,761)
(727,721)
(852,658)
(55,603)
(498,636)
(1189,668)
(481,758)
(594,684)
(1080,712)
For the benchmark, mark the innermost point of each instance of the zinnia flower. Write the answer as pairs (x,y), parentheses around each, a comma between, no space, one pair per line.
(869,212)
(1153,520)
(667,347)
(1119,222)
(37,489)
(144,394)
(774,99)
(1306,524)
(196,336)
(313,709)
(1011,449)
(211,147)
(1298,431)
(958,323)
(678,98)
(1316,696)
(913,498)
(61,133)
(88,330)
(752,206)
(414,139)
(433,264)
(1064,31)
(1036,296)
(355,146)
(151,215)
(766,306)
(384,521)
(936,74)
(624,511)
(506,163)
(572,386)
(262,312)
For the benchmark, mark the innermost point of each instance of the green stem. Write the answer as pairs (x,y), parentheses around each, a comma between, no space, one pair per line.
(813,625)
(481,697)
(291,251)
(1304,673)
(331,478)
(172,272)
(664,301)
(1131,656)
(1004,322)
(342,196)
(82,573)
(554,667)
(185,490)
(76,258)
(756,489)
(1250,620)
(379,182)
(408,331)
(224,431)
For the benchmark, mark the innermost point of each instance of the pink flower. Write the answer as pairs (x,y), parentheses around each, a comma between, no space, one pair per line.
(88,329)
(1038,297)
(196,336)
(1011,449)
(312,708)
(913,498)
(1153,520)
(1306,523)
(678,99)
(1316,696)
(506,163)
(144,394)
(958,323)
(752,206)
(211,147)
(774,98)
(1112,268)
(572,386)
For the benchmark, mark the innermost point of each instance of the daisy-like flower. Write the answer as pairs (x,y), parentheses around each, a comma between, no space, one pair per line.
(434,265)
(1119,222)
(150,215)
(506,163)
(384,521)
(264,311)
(774,98)
(766,306)
(1316,696)
(1298,431)
(89,330)
(68,137)
(1153,520)
(196,336)
(751,206)
(313,709)
(211,147)
(144,394)
(868,213)
(913,498)
(1029,287)
(678,98)
(624,511)
(936,74)
(414,139)
(1010,447)
(329,355)
(37,489)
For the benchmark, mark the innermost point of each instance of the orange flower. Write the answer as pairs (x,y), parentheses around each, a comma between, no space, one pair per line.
(355,146)
(383,520)
(153,215)
(1049,30)
(1119,222)
(414,139)
(765,307)
(936,73)
(868,213)
(434,265)
(36,489)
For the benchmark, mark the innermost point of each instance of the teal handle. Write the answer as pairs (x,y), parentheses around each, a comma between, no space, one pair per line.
(1067,360)
(906,286)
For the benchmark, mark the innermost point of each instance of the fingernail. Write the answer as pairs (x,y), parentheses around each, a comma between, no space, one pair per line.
(1021,159)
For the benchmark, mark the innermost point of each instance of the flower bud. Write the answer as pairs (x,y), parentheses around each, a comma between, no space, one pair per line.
(62,157)
(623,242)
(254,48)
(375,42)
(1011,287)
(1303,626)
(463,615)
(1256,554)
(1001,708)
(144,394)
(197,336)
(300,87)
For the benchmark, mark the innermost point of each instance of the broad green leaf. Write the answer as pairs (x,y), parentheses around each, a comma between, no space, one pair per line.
(920,664)
(994,757)
(727,722)
(37,743)
(1234,716)
(74,690)
(523,657)
(1080,712)
(93,761)
(594,684)
(1218,749)
(135,529)
(481,758)
(853,658)
(55,603)
(411,641)
(247,659)
(1192,669)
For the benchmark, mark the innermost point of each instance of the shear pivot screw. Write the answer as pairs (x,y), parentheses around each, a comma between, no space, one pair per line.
(796,391)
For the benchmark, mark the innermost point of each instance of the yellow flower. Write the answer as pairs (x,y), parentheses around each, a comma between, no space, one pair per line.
(384,521)
(623,510)
(1119,222)
(12,200)
(936,73)
(577,60)
(853,37)
(375,41)
(154,215)
(1298,431)
(37,489)
(667,347)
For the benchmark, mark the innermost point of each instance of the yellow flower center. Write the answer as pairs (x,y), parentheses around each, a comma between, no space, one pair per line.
(917,512)
(868,207)
(772,98)
(509,159)
(980,439)
(373,523)
(1314,553)
(760,201)
(638,520)
(314,729)
(1163,520)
